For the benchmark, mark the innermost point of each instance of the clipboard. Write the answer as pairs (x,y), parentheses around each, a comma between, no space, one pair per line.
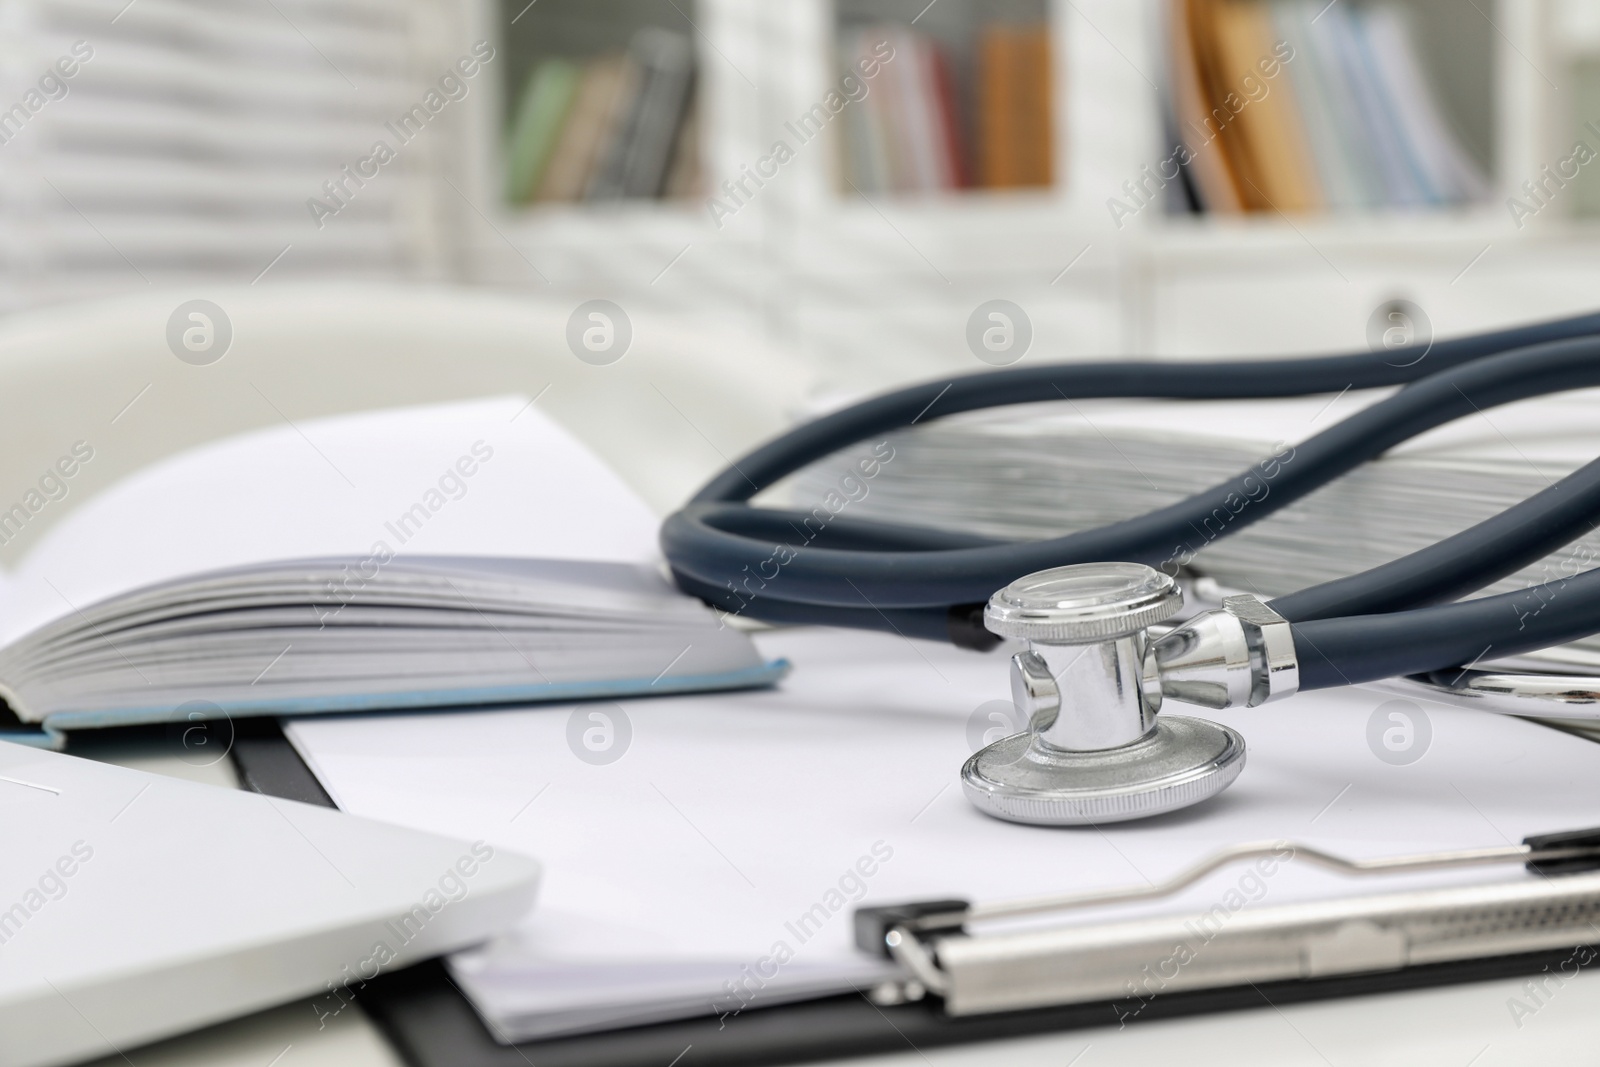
(431,1023)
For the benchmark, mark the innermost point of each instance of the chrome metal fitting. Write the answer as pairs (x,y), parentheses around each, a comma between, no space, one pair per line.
(1083,604)
(1090,687)
(1239,656)
(1085,631)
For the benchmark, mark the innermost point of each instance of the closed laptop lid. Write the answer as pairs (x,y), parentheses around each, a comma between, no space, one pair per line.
(134,906)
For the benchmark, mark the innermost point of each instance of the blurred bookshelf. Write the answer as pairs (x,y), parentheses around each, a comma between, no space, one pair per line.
(963,103)
(901,200)
(602,104)
(588,162)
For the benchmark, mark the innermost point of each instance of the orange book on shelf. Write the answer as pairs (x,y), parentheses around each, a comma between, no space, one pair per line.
(1015,142)
(997,109)
(1268,126)
(1221,101)
(1209,166)
(1037,144)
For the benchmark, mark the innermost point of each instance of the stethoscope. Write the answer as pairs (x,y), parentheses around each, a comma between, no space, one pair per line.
(1096,672)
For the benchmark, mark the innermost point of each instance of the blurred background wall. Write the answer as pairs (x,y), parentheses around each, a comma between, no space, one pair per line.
(733,162)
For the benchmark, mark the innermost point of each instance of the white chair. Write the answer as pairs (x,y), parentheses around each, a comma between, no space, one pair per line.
(681,401)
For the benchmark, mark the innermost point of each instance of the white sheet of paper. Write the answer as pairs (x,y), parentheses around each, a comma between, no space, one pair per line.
(337,486)
(681,865)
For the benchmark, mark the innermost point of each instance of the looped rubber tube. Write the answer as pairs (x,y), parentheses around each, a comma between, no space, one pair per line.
(770,564)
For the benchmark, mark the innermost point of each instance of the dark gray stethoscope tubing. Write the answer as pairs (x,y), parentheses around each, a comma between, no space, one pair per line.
(1367,648)
(907,572)
(707,539)
(1209,380)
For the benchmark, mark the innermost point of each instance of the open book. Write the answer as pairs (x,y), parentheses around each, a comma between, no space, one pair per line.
(465,554)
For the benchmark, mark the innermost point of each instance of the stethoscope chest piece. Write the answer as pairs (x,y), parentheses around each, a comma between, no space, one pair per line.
(1090,686)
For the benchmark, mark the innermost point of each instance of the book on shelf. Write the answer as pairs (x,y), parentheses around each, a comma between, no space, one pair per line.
(1014,145)
(947,120)
(1266,143)
(864,153)
(920,129)
(609,127)
(660,64)
(543,106)
(685,177)
(1208,181)
(583,130)
(1295,106)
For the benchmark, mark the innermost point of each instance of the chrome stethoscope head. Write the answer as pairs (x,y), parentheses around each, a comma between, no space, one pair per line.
(1092,681)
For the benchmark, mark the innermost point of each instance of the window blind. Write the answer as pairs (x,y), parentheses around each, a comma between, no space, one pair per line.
(160,141)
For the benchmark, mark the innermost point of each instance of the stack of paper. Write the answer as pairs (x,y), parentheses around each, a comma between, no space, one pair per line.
(713,867)
(1044,470)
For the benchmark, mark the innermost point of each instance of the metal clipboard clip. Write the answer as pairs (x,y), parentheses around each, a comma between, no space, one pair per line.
(1041,966)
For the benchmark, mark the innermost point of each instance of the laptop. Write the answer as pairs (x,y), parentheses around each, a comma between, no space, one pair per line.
(135,906)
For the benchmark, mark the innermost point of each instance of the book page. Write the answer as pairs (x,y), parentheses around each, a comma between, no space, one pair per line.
(490,477)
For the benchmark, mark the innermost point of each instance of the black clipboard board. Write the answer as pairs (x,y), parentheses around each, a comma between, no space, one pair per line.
(431,1024)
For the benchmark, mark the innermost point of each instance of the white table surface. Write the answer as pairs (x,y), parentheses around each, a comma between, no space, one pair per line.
(1454,1026)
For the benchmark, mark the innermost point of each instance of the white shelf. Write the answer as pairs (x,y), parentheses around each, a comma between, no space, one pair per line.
(845,279)
(1210,243)
(621,222)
